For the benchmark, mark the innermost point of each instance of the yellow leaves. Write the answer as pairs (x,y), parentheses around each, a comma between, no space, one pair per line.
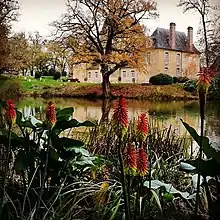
(191,69)
(101,196)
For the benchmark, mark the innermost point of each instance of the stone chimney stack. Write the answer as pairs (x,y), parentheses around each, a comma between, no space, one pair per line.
(172,36)
(190,38)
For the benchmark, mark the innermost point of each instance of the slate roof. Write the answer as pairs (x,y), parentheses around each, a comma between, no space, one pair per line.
(161,40)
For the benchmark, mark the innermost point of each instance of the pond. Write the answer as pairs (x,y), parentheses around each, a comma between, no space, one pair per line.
(163,114)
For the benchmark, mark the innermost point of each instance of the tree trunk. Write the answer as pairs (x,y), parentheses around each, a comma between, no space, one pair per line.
(106,86)
(106,107)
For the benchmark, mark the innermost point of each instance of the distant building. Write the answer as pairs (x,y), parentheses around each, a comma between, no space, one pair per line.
(173,53)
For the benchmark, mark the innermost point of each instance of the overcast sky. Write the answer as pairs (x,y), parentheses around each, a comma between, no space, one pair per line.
(37,14)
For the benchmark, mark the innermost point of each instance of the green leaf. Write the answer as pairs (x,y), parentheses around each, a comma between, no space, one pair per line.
(156,184)
(85,161)
(81,150)
(87,124)
(65,114)
(205,167)
(2,104)
(66,143)
(18,118)
(27,124)
(154,195)
(53,154)
(186,167)
(23,160)
(63,125)
(192,132)
(209,151)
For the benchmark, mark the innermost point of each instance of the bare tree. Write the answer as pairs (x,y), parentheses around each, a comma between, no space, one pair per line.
(107,33)
(202,7)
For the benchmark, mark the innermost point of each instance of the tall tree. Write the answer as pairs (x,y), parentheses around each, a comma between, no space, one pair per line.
(59,55)
(107,33)
(19,57)
(213,35)
(8,13)
(202,7)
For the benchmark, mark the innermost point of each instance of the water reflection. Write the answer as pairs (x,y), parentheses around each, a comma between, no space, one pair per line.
(165,113)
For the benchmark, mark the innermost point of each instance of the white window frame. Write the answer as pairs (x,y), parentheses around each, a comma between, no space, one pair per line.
(178,72)
(166,70)
(148,57)
(89,75)
(166,58)
(178,59)
(132,73)
(96,75)
(124,73)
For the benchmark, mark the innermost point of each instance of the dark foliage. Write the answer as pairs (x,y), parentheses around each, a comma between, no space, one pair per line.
(161,79)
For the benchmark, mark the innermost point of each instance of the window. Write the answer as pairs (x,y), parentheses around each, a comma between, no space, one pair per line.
(124,73)
(89,74)
(96,74)
(166,58)
(132,73)
(178,60)
(148,58)
(178,73)
(166,70)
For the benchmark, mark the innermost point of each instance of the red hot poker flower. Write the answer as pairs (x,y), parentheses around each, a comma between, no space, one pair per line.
(130,158)
(204,80)
(10,113)
(142,125)
(142,162)
(51,114)
(120,114)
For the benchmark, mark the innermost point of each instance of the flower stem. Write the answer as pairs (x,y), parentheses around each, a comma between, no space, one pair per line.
(45,173)
(6,170)
(127,211)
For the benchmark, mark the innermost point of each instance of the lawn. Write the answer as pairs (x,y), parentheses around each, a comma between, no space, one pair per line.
(48,87)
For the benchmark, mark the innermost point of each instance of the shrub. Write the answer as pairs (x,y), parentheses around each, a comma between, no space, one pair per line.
(190,86)
(51,72)
(180,79)
(37,75)
(64,73)
(214,89)
(64,79)
(119,79)
(11,89)
(161,79)
(57,75)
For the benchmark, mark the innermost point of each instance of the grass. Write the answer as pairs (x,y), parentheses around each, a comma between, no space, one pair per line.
(48,87)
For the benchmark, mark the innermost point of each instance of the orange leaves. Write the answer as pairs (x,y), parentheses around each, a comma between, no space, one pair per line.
(110,32)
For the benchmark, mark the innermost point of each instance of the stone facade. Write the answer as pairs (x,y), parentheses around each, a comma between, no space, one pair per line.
(173,53)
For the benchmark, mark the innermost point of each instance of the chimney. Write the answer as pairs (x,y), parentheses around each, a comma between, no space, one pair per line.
(190,38)
(172,38)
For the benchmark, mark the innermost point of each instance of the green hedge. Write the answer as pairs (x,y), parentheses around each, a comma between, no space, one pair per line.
(161,79)
(190,86)
(214,89)
(180,79)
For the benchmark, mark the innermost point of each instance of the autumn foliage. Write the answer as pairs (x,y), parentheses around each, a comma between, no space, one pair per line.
(107,33)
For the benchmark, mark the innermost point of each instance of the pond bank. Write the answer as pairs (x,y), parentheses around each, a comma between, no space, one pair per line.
(129,91)
(48,88)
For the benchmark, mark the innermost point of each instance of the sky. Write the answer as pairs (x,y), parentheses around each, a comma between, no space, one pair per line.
(35,15)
